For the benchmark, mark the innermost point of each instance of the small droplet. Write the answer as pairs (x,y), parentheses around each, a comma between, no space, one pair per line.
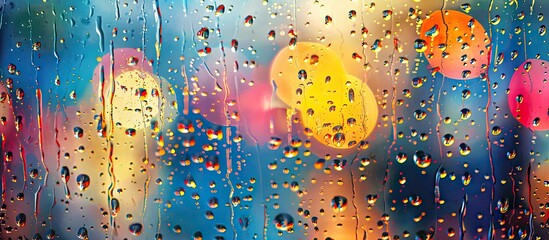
(339,203)
(83,182)
(78,132)
(420,45)
(284,222)
(65,174)
(302,75)
(136,229)
(82,233)
(249,21)
(115,207)
(422,159)
(21,220)
(466,7)
(448,140)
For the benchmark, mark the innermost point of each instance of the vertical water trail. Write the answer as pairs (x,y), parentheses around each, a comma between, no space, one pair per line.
(39,122)
(265,217)
(293,110)
(110,133)
(117,10)
(510,219)
(146,162)
(529,175)
(54,202)
(56,137)
(42,154)
(437,194)
(185,8)
(4,140)
(158,47)
(186,93)
(228,175)
(439,140)
(159,223)
(2,14)
(55,53)
(245,122)
(524,26)
(363,39)
(99,31)
(39,109)
(354,195)
(228,150)
(158,20)
(226,94)
(364,80)
(142,62)
(530,206)
(393,123)
(439,123)
(23,155)
(462,213)
(491,231)
(4,170)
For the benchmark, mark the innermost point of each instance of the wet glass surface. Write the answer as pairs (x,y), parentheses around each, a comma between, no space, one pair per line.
(270,119)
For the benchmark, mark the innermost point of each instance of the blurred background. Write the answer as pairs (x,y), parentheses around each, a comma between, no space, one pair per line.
(240,119)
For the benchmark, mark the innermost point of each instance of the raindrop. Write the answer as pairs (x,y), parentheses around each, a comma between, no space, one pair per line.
(465,94)
(302,75)
(83,182)
(465,113)
(420,114)
(21,220)
(339,139)
(65,174)
(136,229)
(50,234)
(422,159)
(376,46)
(78,132)
(464,149)
(503,205)
(466,7)
(82,233)
(328,20)
(115,207)
(401,157)
(448,140)
(352,15)
(132,61)
(495,20)
(339,203)
(219,10)
(433,31)
(284,222)
(249,21)
(351,95)
(420,45)
(415,200)
(466,178)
